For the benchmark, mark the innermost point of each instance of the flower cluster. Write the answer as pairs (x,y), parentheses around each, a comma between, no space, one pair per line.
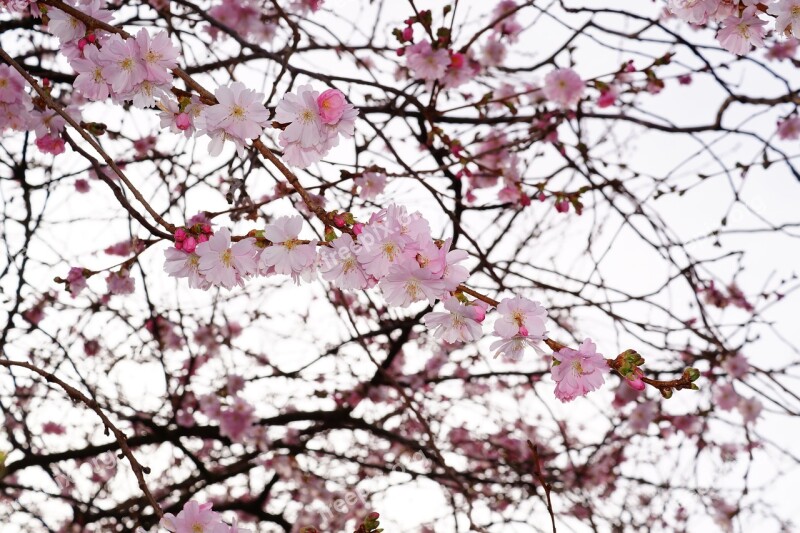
(15,103)
(394,252)
(237,116)
(313,122)
(135,69)
(740,29)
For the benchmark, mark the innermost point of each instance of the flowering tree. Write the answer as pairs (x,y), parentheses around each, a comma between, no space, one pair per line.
(275,266)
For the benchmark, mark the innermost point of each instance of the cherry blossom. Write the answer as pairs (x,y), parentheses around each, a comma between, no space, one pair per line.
(738,35)
(564,87)
(238,116)
(425,62)
(286,255)
(578,372)
(461,323)
(223,264)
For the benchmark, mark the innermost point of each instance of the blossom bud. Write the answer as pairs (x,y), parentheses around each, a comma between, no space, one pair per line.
(189,244)
(180,234)
(202,238)
(183,121)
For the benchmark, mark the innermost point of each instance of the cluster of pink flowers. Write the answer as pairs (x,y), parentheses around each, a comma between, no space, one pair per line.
(15,103)
(427,63)
(198,518)
(578,372)
(244,17)
(740,30)
(136,69)
(394,252)
(314,122)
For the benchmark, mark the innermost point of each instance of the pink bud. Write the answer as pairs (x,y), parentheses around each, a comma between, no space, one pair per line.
(180,234)
(183,121)
(207,228)
(179,245)
(523,331)
(401,52)
(525,200)
(331,106)
(92,38)
(457,60)
(542,197)
(202,238)
(339,221)
(478,312)
(562,206)
(189,244)
(82,42)
(358,227)
(408,33)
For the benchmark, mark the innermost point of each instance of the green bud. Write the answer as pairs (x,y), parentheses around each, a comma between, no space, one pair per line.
(692,373)
(666,393)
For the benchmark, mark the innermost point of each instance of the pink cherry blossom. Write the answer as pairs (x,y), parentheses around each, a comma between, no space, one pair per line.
(238,116)
(91,80)
(750,409)
(12,85)
(513,349)
(340,265)
(788,13)
(726,397)
(738,35)
(76,281)
(302,114)
(520,316)
(123,68)
(286,255)
(425,62)
(407,283)
(459,324)
(578,372)
(331,105)
(370,185)
(223,264)
(193,518)
(789,128)
(120,282)
(158,55)
(564,87)
(235,421)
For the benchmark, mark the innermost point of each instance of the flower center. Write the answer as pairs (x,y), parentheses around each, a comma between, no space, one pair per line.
(3,83)
(237,112)
(98,74)
(291,243)
(390,250)
(412,288)
(126,64)
(152,57)
(517,317)
(307,115)
(348,264)
(197,528)
(226,258)
(744,31)
(577,367)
